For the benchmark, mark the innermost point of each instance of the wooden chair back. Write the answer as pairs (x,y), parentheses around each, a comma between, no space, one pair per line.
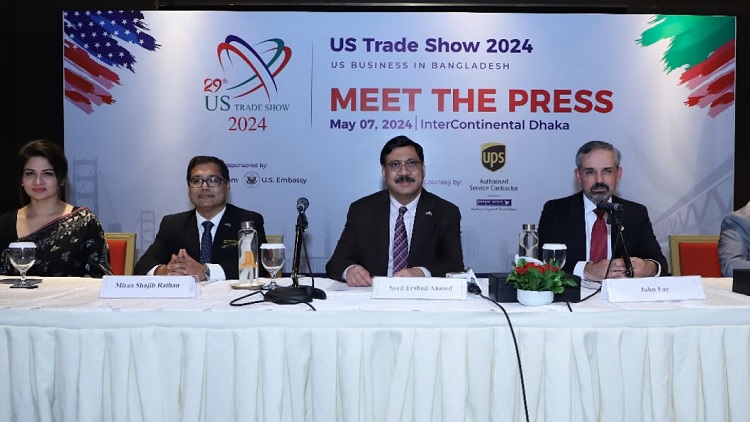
(121,252)
(695,255)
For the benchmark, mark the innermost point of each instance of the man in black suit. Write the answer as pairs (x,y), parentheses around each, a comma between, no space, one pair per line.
(177,247)
(432,225)
(570,220)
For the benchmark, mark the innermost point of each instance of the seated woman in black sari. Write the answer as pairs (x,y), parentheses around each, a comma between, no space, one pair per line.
(69,240)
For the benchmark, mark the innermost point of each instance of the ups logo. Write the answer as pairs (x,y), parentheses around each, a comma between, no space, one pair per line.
(493,156)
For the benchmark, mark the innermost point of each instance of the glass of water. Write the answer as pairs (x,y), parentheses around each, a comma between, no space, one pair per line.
(554,254)
(22,255)
(272,258)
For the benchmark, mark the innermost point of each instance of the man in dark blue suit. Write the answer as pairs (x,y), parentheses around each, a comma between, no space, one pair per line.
(177,247)
(570,220)
(432,225)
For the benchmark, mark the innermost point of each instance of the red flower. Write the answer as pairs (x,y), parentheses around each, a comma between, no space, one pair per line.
(539,277)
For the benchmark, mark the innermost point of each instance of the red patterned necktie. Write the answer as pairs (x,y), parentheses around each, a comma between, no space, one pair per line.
(599,238)
(400,243)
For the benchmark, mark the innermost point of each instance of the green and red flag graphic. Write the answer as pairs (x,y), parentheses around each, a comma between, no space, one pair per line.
(703,47)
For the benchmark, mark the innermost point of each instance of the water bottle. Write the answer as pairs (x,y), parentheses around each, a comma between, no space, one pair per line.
(528,242)
(247,248)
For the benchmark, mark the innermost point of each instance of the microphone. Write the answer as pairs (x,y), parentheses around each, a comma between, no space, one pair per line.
(302,204)
(471,280)
(299,232)
(610,207)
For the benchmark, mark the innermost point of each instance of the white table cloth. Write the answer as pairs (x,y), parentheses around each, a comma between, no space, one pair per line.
(66,355)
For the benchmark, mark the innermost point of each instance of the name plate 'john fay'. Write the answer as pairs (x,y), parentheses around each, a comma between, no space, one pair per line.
(653,289)
(147,287)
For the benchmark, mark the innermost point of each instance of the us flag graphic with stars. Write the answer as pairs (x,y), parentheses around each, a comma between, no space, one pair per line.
(97,46)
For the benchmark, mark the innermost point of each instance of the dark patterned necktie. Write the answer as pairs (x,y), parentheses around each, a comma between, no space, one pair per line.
(400,243)
(206,242)
(599,238)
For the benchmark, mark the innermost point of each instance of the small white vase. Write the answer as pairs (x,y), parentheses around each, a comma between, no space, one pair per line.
(532,298)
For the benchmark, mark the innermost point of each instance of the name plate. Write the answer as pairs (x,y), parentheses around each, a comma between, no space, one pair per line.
(653,289)
(419,288)
(147,287)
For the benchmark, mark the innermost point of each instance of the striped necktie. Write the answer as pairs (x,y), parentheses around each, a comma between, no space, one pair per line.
(400,242)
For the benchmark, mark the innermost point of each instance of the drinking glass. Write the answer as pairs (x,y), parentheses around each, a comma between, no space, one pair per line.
(22,256)
(554,254)
(272,258)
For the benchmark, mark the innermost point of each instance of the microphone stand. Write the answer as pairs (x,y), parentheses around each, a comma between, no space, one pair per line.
(299,232)
(296,293)
(616,222)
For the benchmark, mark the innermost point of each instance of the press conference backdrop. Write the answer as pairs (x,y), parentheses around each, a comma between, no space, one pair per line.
(299,104)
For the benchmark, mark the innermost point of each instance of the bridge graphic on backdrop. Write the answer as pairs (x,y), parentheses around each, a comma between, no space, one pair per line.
(698,211)
(87,193)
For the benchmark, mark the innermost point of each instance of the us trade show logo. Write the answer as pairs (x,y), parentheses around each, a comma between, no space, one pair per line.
(250,68)
(493,156)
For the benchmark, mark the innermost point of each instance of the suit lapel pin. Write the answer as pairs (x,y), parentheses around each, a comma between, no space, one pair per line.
(429,213)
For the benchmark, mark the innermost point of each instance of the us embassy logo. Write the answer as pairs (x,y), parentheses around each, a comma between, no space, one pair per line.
(249,71)
(493,156)
(251,179)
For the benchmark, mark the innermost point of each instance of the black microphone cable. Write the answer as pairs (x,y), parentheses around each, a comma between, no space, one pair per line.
(570,309)
(320,294)
(606,273)
(595,292)
(268,297)
(307,259)
(474,288)
(236,302)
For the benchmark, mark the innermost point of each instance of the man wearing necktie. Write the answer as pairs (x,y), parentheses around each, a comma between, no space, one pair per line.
(400,231)
(202,241)
(591,241)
